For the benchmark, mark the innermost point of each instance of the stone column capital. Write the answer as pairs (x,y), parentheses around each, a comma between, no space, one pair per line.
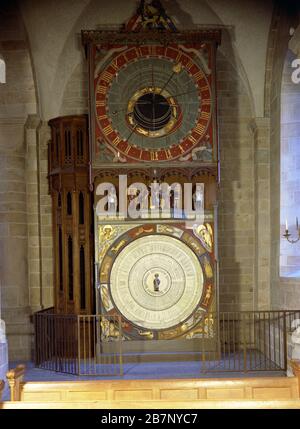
(258,123)
(33,122)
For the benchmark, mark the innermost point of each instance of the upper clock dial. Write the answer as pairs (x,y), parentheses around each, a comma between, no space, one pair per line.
(157,102)
(153,103)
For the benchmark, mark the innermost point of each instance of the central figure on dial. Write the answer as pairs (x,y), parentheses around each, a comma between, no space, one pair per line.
(156,282)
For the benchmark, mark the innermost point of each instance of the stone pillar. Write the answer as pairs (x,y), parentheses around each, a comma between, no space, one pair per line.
(45,207)
(13,239)
(261,134)
(33,215)
(40,265)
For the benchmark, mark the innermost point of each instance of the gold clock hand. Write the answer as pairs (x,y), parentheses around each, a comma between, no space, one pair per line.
(176,69)
(182,93)
(132,131)
(125,108)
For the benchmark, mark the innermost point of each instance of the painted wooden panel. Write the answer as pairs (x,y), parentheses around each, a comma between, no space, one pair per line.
(179,394)
(130,395)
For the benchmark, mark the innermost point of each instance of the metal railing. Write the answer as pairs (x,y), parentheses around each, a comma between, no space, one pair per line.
(246,341)
(226,342)
(74,344)
(100,345)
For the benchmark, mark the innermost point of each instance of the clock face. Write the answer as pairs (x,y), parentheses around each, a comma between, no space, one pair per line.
(153,103)
(156,282)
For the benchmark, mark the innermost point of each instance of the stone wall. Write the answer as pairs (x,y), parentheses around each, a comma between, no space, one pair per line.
(75,100)
(39,217)
(236,204)
(17,101)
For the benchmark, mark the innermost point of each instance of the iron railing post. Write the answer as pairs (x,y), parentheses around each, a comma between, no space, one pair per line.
(78,347)
(244,341)
(284,342)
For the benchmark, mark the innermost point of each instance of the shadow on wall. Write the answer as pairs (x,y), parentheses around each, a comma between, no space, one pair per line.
(182,18)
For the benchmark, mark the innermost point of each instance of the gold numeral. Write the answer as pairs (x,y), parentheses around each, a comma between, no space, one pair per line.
(189,65)
(100,117)
(199,129)
(116,141)
(114,65)
(168,154)
(199,75)
(205,115)
(101,89)
(192,139)
(178,58)
(127,150)
(154,156)
(106,76)
(204,88)
(107,130)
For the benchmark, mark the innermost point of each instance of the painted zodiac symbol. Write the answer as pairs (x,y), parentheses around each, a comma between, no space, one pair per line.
(116,248)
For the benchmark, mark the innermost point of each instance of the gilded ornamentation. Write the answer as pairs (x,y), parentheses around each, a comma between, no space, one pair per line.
(142,230)
(194,244)
(105,267)
(207,268)
(205,234)
(106,232)
(109,331)
(116,248)
(103,250)
(173,333)
(105,298)
(207,295)
(204,329)
(147,334)
(153,16)
(167,229)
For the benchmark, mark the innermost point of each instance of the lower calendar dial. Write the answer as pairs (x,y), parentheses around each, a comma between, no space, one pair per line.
(156,282)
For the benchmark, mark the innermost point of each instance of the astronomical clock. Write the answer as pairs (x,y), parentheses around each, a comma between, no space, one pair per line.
(152,119)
